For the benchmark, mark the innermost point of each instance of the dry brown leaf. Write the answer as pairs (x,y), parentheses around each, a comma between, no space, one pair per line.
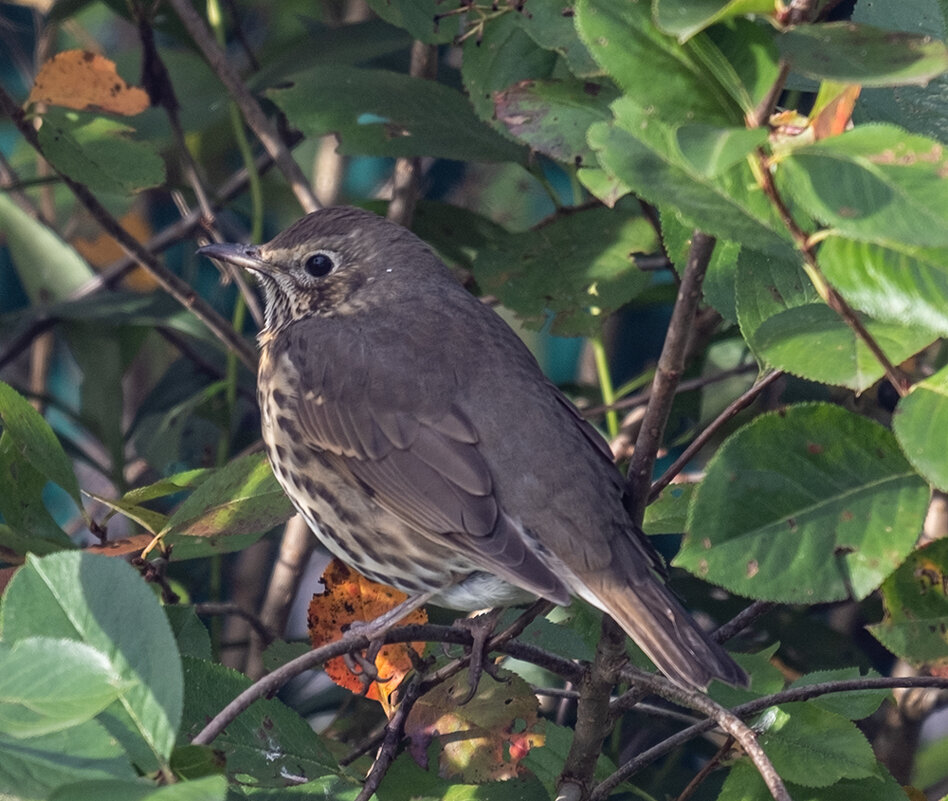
(350,598)
(82,80)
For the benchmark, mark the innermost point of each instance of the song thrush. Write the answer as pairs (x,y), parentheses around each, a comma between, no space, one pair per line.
(418,437)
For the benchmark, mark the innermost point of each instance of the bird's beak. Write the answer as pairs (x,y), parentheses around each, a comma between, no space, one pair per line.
(246,256)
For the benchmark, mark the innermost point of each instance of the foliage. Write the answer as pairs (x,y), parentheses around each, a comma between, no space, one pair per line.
(569,148)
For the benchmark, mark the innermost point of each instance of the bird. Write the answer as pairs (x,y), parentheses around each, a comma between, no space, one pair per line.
(419,438)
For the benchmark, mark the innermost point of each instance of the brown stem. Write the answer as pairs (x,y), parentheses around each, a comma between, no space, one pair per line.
(394,732)
(296,545)
(406,179)
(710,766)
(826,290)
(733,409)
(645,758)
(671,364)
(593,720)
(180,290)
(253,114)
(726,719)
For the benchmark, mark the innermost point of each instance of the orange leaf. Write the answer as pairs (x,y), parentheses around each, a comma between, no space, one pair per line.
(485,739)
(350,598)
(835,115)
(82,80)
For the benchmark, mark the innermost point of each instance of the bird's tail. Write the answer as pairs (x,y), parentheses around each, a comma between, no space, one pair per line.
(669,635)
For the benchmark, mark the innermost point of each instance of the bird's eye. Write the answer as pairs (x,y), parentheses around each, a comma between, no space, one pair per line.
(318,264)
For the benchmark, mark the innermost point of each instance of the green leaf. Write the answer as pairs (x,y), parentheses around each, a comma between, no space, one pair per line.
(33,768)
(457,234)
(550,24)
(62,596)
(685,18)
(189,632)
(654,71)
(36,442)
(268,740)
(811,746)
(47,685)
(553,116)
(643,152)
(241,498)
(789,327)
(712,150)
(406,781)
(807,505)
(382,113)
(48,268)
(31,528)
(668,513)
(746,60)
(893,284)
(918,424)
(851,53)
(207,788)
(875,183)
(916,607)
(501,58)
(852,704)
(744,783)
(578,266)
(97,152)
(920,109)
(423,19)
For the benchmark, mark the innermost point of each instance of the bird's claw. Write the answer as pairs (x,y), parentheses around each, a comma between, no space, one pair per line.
(480,627)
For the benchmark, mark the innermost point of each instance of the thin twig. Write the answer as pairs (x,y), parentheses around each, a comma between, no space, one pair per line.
(406,178)
(296,545)
(688,385)
(394,732)
(741,621)
(671,364)
(754,707)
(171,283)
(221,608)
(726,719)
(706,770)
(827,291)
(258,122)
(733,409)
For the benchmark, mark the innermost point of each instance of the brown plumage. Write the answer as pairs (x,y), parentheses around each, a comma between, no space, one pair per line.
(420,440)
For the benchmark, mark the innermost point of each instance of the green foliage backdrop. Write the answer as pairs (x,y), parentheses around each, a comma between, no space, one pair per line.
(772,175)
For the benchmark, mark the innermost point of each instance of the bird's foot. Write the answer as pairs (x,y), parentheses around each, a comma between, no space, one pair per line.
(480,627)
(362,664)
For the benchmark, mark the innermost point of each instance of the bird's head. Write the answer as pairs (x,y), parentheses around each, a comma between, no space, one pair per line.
(332,262)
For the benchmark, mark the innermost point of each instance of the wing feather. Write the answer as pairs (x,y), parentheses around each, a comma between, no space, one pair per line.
(420,459)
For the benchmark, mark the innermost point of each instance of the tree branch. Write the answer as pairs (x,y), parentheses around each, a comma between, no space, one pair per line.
(253,114)
(733,409)
(671,364)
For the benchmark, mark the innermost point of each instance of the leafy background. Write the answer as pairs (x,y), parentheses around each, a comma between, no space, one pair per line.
(721,226)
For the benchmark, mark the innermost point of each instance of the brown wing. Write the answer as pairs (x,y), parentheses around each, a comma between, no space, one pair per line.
(402,439)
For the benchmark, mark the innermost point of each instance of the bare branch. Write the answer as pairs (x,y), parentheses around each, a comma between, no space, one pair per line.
(733,409)
(265,131)
(671,364)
